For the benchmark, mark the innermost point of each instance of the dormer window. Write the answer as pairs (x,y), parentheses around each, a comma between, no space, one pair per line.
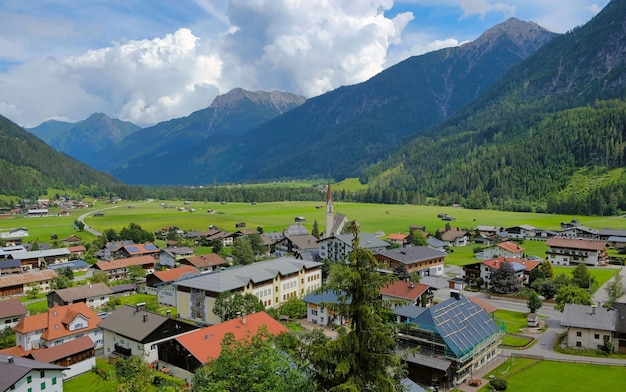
(78,326)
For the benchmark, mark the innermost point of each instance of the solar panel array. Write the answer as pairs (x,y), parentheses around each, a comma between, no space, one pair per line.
(132,249)
(150,247)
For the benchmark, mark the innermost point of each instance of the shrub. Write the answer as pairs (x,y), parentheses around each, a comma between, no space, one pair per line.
(498,384)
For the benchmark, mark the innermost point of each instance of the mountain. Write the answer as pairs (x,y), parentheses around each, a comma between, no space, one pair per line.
(153,155)
(340,132)
(554,119)
(82,139)
(28,166)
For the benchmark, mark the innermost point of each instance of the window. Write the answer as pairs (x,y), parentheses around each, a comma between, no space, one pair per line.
(607,337)
(596,336)
(579,334)
(30,389)
(42,374)
(54,381)
(579,344)
(43,385)
(29,379)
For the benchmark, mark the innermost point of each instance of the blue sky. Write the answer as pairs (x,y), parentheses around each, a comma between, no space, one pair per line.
(153,60)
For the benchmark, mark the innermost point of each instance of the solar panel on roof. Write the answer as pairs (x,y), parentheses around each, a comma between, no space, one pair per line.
(150,247)
(132,249)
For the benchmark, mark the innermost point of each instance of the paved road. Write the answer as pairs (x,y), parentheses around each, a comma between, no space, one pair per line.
(91,229)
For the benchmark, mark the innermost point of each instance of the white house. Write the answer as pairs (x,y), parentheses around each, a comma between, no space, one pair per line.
(27,375)
(503,249)
(337,247)
(94,295)
(588,327)
(11,312)
(318,311)
(566,251)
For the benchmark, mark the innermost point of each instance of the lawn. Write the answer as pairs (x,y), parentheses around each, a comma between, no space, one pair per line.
(91,382)
(41,306)
(513,321)
(600,274)
(510,341)
(150,301)
(559,376)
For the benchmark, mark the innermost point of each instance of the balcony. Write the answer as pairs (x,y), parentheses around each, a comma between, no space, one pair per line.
(126,352)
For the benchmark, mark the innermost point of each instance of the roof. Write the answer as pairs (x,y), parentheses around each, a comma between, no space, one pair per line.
(74,264)
(612,233)
(304,241)
(129,321)
(435,243)
(37,254)
(10,373)
(322,297)
(121,288)
(10,263)
(453,234)
(124,263)
(27,277)
(175,273)
(12,307)
(208,260)
(516,264)
(206,343)
(410,311)
(411,254)
(510,246)
(616,239)
(621,315)
(56,319)
(461,324)
(295,229)
(404,290)
(81,292)
(487,307)
(428,361)
(576,243)
(397,236)
(524,226)
(77,248)
(411,386)
(582,316)
(237,277)
(63,350)
(140,249)
(16,351)
(366,240)
(182,250)
(488,228)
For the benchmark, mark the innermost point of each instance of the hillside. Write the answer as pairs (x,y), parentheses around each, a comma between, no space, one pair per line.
(337,133)
(160,154)
(82,139)
(518,145)
(28,166)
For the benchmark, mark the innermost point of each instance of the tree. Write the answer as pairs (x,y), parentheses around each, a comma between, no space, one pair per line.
(293,308)
(534,302)
(242,252)
(615,289)
(60,282)
(80,226)
(133,374)
(417,238)
(135,272)
(251,365)
(216,245)
(546,268)
(315,232)
(99,277)
(7,338)
(536,274)
(363,358)
(547,288)
(504,280)
(256,243)
(571,295)
(33,290)
(67,272)
(561,280)
(581,277)
(229,306)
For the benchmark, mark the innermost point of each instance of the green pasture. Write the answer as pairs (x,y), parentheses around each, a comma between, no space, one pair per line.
(600,274)
(558,376)
(510,341)
(513,321)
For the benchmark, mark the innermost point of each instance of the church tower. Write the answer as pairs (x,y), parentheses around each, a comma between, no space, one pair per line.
(328,231)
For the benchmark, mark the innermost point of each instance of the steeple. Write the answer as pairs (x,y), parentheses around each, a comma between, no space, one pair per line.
(328,231)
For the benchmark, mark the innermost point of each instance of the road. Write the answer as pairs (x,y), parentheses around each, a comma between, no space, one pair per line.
(91,229)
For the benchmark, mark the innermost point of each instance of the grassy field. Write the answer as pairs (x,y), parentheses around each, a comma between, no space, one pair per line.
(513,321)
(552,376)
(509,341)
(601,275)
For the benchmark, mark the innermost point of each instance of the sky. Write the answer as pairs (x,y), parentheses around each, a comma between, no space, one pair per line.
(148,61)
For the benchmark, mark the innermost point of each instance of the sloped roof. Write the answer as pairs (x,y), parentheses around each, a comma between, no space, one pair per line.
(576,243)
(27,277)
(582,316)
(408,310)
(56,319)
(412,254)
(296,229)
(305,241)
(397,236)
(453,234)
(124,263)
(10,373)
(10,263)
(366,240)
(175,273)
(206,343)
(237,277)
(517,264)
(487,307)
(12,307)
(74,264)
(510,246)
(37,254)
(404,290)
(327,296)
(208,260)
(63,350)
(141,249)
(461,324)
(82,292)
(129,321)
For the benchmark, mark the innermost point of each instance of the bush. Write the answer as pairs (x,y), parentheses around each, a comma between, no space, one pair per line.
(498,384)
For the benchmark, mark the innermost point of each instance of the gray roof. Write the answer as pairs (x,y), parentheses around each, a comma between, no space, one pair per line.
(436,243)
(237,277)
(366,240)
(615,238)
(428,361)
(74,264)
(620,307)
(412,254)
(411,386)
(296,229)
(10,373)
(612,233)
(436,282)
(327,297)
(128,321)
(10,263)
(409,311)
(82,292)
(40,253)
(581,316)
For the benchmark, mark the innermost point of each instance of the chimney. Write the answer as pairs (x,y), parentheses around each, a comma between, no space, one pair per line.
(168,313)
(243,319)
(455,294)
(140,306)
(593,310)
(206,336)
(411,285)
(145,318)
(10,359)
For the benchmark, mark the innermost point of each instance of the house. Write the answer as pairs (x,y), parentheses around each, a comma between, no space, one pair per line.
(41,258)
(133,330)
(184,354)
(337,247)
(10,266)
(411,293)
(270,240)
(605,234)
(488,230)
(119,269)
(23,374)
(78,356)
(18,284)
(168,257)
(205,263)
(620,327)
(397,238)
(566,251)
(455,236)
(160,283)
(317,311)
(94,295)
(521,267)
(297,239)
(139,250)
(589,327)
(521,231)
(434,243)
(76,251)
(72,239)
(111,249)
(272,282)
(58,325)
(404,313)
(74,265)
(503,249)
(579,232)
(457,338)
(11,312)
(14,233)
(420,259)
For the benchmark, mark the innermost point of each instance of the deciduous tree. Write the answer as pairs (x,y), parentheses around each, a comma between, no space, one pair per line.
(615,289)
(571,295)
(581,277)
(242,252)
(534,302)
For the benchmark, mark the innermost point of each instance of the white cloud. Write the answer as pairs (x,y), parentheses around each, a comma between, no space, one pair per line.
(482,7)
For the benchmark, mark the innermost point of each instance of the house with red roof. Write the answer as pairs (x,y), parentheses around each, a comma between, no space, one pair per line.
(119,269)
(408,292)
(11,312)
(566,251)
(18,284)
(184,354)
(522,268)
(78,356)
(503,249)
(205,263)
(160,283)
(58,325)
(398,238)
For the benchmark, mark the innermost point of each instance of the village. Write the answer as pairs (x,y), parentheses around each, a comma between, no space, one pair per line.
(443,310)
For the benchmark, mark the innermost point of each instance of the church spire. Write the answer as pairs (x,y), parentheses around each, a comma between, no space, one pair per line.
(328,231)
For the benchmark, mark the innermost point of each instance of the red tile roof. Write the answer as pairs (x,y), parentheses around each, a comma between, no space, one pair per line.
(511,247)
(208,260)
(77,248)
(124,263)
(404,290)
(175,273)
(12,307)
(27,277)
(487,307)
(16,351)
(63,350)
(206,343)
(496,263)
(56,319)
(574,243)
(397,236)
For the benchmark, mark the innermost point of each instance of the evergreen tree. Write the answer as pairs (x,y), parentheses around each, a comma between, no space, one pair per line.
(315,232)
(242,252)
(504,281)
(363,358)
(581,277)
